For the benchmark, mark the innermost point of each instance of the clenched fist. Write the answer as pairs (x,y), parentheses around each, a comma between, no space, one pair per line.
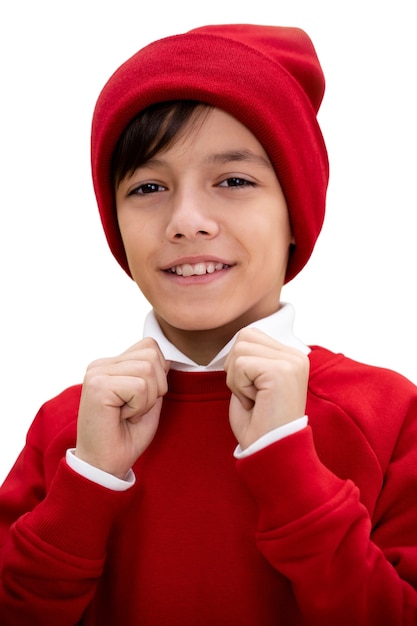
(268,381)
(120,405)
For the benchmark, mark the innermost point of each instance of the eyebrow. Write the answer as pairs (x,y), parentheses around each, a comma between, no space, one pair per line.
(222,158)
(229,156)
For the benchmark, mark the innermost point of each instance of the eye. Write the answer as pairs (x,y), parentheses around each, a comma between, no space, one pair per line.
(235,181)
(146,188)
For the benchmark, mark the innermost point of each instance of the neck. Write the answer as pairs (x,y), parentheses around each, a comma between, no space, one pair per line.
(201,346)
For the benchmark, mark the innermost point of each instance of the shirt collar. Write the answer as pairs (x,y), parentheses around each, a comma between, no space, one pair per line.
(279,326)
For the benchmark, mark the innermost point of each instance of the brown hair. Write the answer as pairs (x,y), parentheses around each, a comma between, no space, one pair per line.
(148,133)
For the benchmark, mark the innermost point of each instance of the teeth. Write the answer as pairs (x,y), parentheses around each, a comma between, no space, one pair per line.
(186,269)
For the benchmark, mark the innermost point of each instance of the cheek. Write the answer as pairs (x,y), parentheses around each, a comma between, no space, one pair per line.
(135,236)
(274,244)
(270,233)
(136,251)
(281,229)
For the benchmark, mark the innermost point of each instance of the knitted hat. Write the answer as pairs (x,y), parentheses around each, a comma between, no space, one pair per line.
(267,77)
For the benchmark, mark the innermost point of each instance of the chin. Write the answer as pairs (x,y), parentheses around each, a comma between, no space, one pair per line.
(198,322)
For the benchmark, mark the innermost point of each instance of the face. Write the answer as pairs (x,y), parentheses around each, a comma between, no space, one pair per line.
(206,231)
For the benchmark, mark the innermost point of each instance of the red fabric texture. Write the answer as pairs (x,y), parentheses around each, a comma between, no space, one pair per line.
(267,77)
(318,529)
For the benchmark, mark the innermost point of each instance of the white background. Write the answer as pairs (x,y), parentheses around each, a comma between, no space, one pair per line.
(65,301)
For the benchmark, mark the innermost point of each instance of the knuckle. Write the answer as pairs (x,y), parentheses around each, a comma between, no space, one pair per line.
(241,362)
(247,335)
(149,342)
(92,378)
(94,385)
(95,364)
(146,368)
(140,387)
(240,348)
(304,363)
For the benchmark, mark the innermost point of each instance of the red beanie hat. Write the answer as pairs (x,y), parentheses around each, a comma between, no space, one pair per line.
(267,77)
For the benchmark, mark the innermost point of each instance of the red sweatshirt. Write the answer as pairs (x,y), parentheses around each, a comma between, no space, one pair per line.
(318,529)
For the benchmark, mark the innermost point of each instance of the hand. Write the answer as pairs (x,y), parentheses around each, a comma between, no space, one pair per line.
(120,405)
(268,381)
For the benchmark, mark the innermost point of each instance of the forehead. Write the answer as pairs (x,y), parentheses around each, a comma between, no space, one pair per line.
(220,137)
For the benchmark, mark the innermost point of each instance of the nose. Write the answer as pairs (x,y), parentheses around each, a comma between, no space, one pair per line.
(191,218)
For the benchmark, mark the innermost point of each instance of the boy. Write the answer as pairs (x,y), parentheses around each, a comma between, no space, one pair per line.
(219,471)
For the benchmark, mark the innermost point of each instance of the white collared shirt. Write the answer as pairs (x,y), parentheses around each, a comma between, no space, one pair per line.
(279,326)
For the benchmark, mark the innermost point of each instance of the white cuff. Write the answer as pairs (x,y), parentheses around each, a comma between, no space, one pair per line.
(274,435)
(98,476)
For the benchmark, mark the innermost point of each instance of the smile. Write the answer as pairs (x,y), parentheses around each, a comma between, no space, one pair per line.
(198,269)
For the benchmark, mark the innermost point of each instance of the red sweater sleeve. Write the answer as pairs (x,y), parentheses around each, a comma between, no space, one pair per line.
(52,547)
(313,529)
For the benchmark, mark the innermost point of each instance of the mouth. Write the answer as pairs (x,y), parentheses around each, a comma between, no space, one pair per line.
(197,269)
